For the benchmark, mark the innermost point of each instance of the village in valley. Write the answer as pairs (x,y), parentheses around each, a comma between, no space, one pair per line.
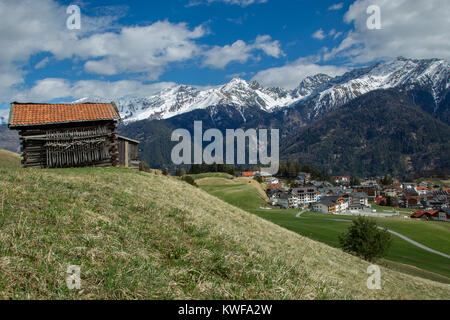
(374,196)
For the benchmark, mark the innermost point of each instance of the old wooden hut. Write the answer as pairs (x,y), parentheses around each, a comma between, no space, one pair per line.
(128,152)
(67,135)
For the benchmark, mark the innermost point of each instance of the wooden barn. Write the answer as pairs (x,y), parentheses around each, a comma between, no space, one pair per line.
(71,135)
(128,152)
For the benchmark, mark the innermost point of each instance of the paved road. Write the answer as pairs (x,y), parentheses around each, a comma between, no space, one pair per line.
(419,245)
(300,213)
(416,243)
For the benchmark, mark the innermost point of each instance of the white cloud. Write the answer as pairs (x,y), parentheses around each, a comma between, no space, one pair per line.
(411,28)
(103,47)
(219,57)
(271,48)
(319,34)
(290,75)
(56,88)
(41,64)
(337,6)
(139,49)
(242,3)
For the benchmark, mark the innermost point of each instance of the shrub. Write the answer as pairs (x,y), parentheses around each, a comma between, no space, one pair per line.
(259,179)
(180,172)
(143,166)
(189,180)
(364,239)
(165,172)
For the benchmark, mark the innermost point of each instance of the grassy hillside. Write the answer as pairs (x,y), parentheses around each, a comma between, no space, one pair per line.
(317,226)
(138,235)
(9,159)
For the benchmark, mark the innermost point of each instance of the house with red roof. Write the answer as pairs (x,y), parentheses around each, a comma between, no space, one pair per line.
(435,215)
(248,174)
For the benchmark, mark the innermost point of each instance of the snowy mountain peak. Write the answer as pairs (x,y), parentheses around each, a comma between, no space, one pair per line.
(428,74)
(312,83)
(318,92)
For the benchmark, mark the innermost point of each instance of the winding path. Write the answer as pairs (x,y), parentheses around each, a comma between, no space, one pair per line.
(419,245)
(416,243)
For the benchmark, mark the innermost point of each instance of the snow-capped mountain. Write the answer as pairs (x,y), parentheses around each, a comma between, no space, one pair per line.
(431,75)
(180,99)
(317,94)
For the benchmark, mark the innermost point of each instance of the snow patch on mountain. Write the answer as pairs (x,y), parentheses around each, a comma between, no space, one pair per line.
(320,93)
(399,73)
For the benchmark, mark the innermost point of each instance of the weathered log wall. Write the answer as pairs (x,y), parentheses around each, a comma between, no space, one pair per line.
(71,145)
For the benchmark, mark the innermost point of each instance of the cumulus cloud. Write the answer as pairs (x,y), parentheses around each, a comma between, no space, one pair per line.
(290,75)
(337,6)
(319,34)
(242,3)
(139,49)
(219,57)
(57,88)
(411,28)
(103,47)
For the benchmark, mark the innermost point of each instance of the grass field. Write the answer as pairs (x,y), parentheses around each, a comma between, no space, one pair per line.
(385,208)
(316,226)
(143,236)
(210,175)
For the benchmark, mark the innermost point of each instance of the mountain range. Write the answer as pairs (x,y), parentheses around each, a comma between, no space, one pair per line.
(328,122)
(427,81)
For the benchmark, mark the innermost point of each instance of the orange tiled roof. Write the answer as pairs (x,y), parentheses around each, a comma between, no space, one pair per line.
(25,114)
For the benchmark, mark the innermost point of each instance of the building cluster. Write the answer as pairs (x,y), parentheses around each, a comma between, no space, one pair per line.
(432,202)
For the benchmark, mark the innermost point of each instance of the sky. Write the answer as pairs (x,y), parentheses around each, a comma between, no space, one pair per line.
(136,48)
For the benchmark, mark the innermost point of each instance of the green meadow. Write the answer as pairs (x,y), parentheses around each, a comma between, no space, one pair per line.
(320,227)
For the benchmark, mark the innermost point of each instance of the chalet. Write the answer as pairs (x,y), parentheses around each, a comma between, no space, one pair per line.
(275,186)
(342,180)
(306,195)
(390,192)
(248,174)
(285,200)
(359,198)
(303,178)
(332,204)
(71,135)
(411,198)
(380,200)
(421,191)
(436,215)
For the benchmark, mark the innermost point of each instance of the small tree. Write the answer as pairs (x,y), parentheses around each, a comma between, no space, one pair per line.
(364,239)
(190,180)
(180,172)
(143,166)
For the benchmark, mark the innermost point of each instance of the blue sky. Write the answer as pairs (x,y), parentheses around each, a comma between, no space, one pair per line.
(139,47)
